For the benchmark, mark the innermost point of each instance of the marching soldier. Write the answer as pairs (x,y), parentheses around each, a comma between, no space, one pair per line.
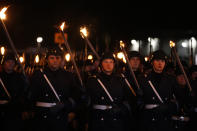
(157,97)
(182,93)
(53,94)
(136,62)
(12,89)
(109,109)
(193,112)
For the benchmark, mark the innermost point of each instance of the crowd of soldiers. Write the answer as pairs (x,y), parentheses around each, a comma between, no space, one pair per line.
(155,98)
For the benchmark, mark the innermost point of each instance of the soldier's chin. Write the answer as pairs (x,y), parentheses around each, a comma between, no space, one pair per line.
(108,71)
(54,68)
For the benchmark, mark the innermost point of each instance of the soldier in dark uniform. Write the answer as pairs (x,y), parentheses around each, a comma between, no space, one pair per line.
(12,89)
(193,112)
(183,97)
(157,98)
(136,62)
(53,94)
(109,109)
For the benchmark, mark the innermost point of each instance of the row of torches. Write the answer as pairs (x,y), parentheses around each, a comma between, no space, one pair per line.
(84,33)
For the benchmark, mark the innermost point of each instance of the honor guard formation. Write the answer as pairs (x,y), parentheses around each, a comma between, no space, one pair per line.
(134,96)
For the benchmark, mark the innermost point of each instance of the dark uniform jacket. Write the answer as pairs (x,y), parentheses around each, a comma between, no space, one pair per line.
(133,98)
(116,117)
(11,110)
(193,112)
(155,115)
(40,92)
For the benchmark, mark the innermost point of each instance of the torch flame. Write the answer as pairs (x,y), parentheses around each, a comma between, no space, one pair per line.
(2,50)
(37,59)
(84,31)
(90,57)
(122,44)
(146,58)
(2,13)
(21,59)
(67,57)
(120,55)
(62,26)
(172,44)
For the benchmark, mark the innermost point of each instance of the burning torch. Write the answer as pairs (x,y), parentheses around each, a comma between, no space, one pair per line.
(71,55)
(84,35)
(172,46)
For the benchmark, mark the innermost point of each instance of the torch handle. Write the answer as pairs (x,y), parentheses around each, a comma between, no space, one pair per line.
(131,70)
(181,67)
(91,47)
(72,58)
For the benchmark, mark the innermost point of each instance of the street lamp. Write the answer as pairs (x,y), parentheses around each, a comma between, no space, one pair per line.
(192,48)
(150,44)
(135,45)
(39,41)
(184,44)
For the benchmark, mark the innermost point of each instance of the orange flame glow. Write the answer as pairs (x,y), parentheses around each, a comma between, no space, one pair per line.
(172,44)
(37,59)
(122,44)
(62,26)
(2,13)
(84,31)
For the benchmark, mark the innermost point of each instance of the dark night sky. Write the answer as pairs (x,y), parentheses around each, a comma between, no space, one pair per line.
(123,21)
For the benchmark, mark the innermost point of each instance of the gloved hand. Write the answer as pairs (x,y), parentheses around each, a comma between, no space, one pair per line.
(58,107)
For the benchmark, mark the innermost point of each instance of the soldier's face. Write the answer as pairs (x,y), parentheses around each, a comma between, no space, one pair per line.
(194,75)
(108,65)
(158,65)
(135,63)
(9,65)
(181,80)
(54,62)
